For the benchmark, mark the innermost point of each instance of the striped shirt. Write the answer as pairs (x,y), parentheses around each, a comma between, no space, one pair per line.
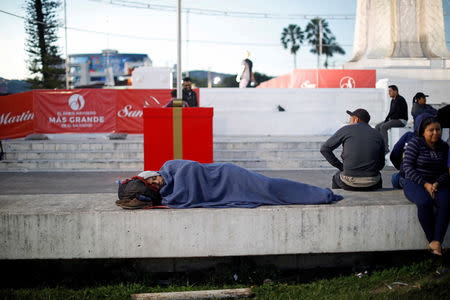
(423,164)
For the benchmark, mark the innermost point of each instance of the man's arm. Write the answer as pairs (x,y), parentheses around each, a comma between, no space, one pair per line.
(194,99)
(328,147)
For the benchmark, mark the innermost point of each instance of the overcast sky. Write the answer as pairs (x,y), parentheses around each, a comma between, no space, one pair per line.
(216,42)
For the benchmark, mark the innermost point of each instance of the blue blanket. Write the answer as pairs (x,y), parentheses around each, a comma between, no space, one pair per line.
(190,184)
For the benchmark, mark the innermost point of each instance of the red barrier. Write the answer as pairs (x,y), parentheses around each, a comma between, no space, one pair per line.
(323,78)
(16,115)
(78,110)
(197,131)
(74,111)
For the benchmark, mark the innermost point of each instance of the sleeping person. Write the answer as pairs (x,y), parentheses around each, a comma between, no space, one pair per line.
(189,184)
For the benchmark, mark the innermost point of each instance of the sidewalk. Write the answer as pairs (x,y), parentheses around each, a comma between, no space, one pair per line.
(17,183)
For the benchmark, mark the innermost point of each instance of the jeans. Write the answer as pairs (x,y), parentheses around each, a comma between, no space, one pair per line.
(433,213)
(383,127)
(398,181)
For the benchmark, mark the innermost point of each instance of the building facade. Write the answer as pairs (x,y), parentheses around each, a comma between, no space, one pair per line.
(107,68)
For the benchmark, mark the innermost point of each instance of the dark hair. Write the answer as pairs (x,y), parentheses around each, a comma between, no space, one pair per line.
(425,123)
(173,93)
(394,87)
(187,79)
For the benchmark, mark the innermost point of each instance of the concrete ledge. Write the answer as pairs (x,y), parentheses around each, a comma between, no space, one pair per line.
(73,226)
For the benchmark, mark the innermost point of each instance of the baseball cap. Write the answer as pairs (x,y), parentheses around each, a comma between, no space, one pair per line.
(361,113)
(148,174)
(420,95)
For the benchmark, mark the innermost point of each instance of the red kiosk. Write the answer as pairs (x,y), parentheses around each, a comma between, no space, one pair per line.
(177,133)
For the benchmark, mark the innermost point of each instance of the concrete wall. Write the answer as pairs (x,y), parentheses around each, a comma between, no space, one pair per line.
(307,111)
(90,226)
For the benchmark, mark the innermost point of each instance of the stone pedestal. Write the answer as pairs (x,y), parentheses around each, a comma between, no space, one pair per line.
(399,34)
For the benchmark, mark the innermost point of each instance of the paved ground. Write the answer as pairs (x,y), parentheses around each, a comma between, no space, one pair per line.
(16,183)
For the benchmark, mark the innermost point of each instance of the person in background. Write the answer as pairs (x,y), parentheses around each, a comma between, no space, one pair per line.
(189,95)
(420,106)
(398,151)
(427,181)
(397,116)
(245,76)
(173,94)
(362,154)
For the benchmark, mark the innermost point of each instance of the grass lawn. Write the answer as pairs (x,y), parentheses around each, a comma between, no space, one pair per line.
(426,279)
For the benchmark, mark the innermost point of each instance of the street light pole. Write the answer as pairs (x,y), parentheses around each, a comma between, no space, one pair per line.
(179,92)
(65,34)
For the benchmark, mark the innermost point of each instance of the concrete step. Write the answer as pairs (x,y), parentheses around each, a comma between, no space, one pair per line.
(267,154)
(100,153)
(72,165)
(23,145)
(74,155)
(279,164)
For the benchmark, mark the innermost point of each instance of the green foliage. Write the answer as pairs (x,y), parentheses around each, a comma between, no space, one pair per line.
(292,38)
(45,62)
(329,44)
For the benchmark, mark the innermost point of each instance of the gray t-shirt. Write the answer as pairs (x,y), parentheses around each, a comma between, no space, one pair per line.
(363,150)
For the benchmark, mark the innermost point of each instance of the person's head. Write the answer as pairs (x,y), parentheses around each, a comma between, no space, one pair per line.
(393,91)
(157,182)
(173,93)
(187,83)
(418,121)
(153,178)
(430,129)
(420,98)
(360,115)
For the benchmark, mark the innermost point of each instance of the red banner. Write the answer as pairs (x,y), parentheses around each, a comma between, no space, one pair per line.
(81,110)
(323,78)
(129,106)
(16,115)
(75,111)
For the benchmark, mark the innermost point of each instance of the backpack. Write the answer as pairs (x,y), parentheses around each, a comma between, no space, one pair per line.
(136,187)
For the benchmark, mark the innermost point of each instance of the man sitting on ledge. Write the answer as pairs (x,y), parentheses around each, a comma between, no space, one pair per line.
(189,184)
(362,154)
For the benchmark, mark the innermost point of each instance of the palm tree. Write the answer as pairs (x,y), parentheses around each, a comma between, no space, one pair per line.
(330,47)
(313,35)
(292,37)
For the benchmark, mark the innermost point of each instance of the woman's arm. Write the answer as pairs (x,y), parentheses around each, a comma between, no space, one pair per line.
(410,162)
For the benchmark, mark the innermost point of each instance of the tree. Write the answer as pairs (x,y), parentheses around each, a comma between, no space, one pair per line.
(330,47)
(292,37)
(313,35)
(45,62)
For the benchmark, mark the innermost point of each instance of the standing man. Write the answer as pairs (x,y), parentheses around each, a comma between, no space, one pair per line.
(245,77)
(397,116)
(188,94)
(362,154)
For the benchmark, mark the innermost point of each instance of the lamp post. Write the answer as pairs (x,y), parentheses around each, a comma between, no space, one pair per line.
(65,35)
(179,92)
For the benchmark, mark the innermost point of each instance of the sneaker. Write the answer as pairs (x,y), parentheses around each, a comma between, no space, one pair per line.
(135,204)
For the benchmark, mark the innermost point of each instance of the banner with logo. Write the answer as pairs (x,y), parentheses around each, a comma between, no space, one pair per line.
(323,78)
(347,79)
(16,115)
(130,103)
(75,111)
(129,106)
(80,110)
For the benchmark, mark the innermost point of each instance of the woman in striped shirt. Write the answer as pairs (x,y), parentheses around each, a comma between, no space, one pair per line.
(427,181)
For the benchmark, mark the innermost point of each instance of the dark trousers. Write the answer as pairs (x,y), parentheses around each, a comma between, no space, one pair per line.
(383,127)
(336,183)
(433,213)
